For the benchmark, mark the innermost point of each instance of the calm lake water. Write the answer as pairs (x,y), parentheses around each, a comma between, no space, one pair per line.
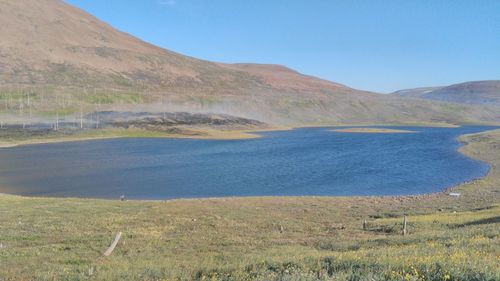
(310,161)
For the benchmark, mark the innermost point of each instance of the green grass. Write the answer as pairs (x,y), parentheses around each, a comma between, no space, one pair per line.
(46,102)
(106,98)
(272,238)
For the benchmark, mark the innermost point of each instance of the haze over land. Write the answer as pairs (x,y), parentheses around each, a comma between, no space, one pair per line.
(67,59)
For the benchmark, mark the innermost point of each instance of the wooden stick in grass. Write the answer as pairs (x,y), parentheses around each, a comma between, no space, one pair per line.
(113,245)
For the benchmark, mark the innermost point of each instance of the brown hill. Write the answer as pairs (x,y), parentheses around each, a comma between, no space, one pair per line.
(63,57)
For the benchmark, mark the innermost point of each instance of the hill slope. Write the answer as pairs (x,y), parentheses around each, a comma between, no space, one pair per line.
(64,57)
(475,92)
(50,42)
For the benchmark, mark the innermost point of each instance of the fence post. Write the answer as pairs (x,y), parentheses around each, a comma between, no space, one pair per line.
(405,223)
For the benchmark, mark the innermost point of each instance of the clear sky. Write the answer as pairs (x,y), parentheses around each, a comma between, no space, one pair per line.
(378,45)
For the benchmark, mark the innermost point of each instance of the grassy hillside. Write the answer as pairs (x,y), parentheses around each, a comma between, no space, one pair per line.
(30,105)
(303,238)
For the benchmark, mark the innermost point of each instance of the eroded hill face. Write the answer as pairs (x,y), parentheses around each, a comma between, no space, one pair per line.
(54,56)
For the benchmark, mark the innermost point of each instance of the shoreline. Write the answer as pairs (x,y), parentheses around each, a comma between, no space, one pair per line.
(205,133)
(209,134)
(444,191)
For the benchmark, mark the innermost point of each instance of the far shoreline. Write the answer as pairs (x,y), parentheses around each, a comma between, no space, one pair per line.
(205,133)
(106,134)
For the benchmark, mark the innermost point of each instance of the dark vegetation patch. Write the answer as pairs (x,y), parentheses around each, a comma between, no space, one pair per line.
(168,119)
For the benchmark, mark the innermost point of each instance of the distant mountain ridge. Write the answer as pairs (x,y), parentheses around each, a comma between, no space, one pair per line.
(62,55)
(475,92)
(416,92)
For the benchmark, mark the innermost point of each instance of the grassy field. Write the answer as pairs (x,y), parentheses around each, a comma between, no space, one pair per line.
(274,238)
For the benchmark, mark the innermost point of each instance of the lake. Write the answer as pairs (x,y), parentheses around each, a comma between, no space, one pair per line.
(307,161)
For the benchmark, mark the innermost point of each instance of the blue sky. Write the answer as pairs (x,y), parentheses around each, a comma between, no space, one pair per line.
(382,45)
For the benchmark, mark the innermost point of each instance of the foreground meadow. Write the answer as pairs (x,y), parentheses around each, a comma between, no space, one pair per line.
(289,238)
